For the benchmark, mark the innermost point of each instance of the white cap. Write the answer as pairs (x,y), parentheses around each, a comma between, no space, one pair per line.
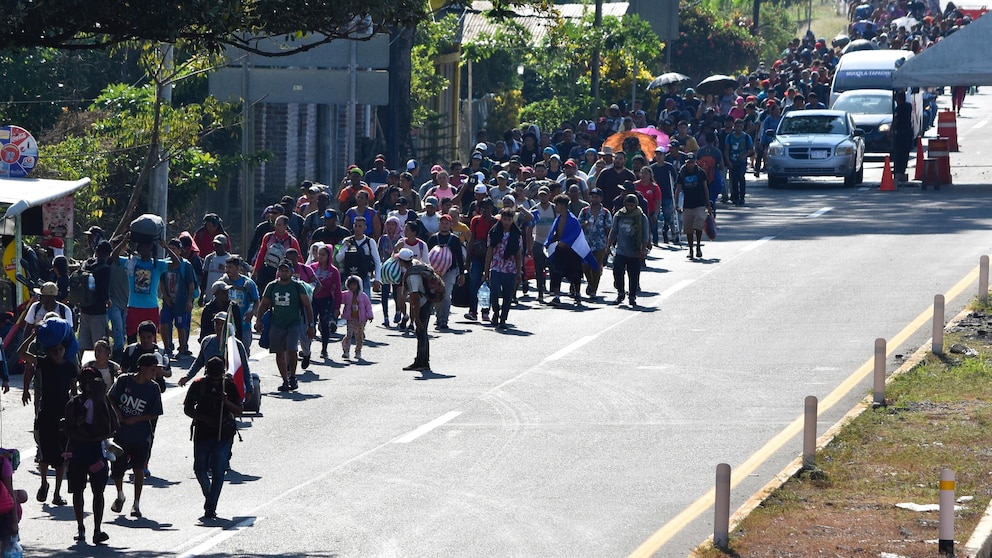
(411,164)
(481,189)
(481,147)
(480,177)
(405,254)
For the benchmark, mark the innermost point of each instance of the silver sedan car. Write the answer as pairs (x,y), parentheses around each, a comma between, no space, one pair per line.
(816,143)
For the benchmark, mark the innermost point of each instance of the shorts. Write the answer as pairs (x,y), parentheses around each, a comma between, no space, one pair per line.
(137,315)
(170,316)
(91,328)
(287,340)
(51,441)
(87,464)
(135,456)
(693,219)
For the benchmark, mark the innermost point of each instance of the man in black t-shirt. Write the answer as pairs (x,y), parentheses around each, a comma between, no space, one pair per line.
(696,204)
(331,233)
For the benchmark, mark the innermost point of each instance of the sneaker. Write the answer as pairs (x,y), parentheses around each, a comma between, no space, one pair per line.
(209,515)
(323,354)
(440,327)
(345,355)
(633,301)
(690,255)
(135,511)
(284,387)
(619,299)
(403,322)
(98,538)
(414,366)
(471,316)
(385,323)
(294,384)
(555,301)
(397,317)
(502,327)
(306,362)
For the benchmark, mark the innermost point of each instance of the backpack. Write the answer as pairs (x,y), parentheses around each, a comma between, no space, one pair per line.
(434,288)
(356,261)
(147,228)
(276,252)
(82,286)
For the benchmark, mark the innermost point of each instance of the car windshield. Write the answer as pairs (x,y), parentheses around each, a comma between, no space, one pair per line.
(813,124)
(865,104)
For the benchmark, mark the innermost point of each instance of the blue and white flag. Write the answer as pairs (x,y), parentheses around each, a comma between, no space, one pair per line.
(573,237)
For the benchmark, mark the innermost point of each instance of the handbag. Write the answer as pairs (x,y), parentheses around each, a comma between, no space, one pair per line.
(709,227)
(263,338)
(530,270)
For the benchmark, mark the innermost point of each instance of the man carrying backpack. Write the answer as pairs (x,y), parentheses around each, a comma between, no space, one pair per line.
(213,403)
(287,299)
(272,251)
(89,288)
(417,289)
(359,255)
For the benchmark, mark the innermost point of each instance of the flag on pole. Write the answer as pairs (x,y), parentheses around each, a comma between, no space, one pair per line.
(232,356)
(573,237)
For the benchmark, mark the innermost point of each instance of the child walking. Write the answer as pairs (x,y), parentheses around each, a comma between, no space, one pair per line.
(357,311)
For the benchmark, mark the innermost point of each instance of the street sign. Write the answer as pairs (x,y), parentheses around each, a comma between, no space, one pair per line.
(307,86)
(372,53)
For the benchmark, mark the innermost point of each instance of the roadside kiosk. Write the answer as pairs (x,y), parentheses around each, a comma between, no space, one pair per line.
(30,206)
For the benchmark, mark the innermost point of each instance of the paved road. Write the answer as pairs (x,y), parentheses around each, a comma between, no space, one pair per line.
(582,432)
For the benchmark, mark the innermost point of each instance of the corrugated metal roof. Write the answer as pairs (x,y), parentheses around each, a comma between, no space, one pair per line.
(475,23)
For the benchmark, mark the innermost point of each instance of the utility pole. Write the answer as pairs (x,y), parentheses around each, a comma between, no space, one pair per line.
(158,202)
(597,24)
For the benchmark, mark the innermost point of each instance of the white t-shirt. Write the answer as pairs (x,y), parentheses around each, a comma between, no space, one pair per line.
(215,266)
(36,313)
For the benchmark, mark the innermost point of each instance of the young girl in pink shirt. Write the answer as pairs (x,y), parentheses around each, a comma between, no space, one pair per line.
(357,311)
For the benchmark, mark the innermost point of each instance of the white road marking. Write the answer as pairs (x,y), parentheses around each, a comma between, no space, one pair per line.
(979,124)
(220,537)
(667,293)
(425,428)
(756,243)
(573,346)
(818,213)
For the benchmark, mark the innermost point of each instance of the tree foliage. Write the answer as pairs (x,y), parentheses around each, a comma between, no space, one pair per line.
(710,44)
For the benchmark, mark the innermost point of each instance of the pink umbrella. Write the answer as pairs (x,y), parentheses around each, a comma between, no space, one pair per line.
(661,138)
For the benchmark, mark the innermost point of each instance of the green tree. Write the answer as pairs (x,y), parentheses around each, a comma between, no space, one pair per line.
(710,44)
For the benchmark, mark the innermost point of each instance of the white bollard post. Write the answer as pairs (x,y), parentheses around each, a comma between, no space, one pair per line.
(721,514)
(938,324)
(983,279)
(809,433)
(945,543)
(878,383)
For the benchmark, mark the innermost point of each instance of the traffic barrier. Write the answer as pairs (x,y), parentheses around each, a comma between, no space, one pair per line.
(947,127)
(931,173)
(945,541)
(920,157)
(983,280)
(937,148)
(938,325)
(721,508)
(809,433)
(888,184)
(878,379)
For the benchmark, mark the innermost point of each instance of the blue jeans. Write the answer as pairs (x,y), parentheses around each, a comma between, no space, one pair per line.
(668,218)
(246,335)
(501,294)
(210,460)
(737,170)
(475,281)
(116,315)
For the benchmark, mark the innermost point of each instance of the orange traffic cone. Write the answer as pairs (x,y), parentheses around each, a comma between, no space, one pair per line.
(888,185)
(919,159)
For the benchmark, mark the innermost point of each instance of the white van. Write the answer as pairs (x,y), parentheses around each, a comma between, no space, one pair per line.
(872,69)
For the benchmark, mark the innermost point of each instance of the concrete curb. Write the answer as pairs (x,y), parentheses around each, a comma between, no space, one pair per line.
(980,543)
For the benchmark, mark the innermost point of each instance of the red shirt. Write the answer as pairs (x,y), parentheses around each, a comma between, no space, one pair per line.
(651,193)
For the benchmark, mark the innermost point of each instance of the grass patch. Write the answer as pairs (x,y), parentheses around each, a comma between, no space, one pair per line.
(939,418)
(826,23)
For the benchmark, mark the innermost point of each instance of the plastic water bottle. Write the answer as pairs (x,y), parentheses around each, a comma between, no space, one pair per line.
(91,282)
(484,296)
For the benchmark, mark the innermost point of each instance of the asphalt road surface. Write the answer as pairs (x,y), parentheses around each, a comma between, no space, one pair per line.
(590,431)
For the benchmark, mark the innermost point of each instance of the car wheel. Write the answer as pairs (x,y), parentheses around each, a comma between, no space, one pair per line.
(776,181)
(859,176)
(851,179)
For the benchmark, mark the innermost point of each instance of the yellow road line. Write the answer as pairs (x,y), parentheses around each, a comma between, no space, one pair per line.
(742,471)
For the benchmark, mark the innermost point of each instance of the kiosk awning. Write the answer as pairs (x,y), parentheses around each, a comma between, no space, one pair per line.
(24,193)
